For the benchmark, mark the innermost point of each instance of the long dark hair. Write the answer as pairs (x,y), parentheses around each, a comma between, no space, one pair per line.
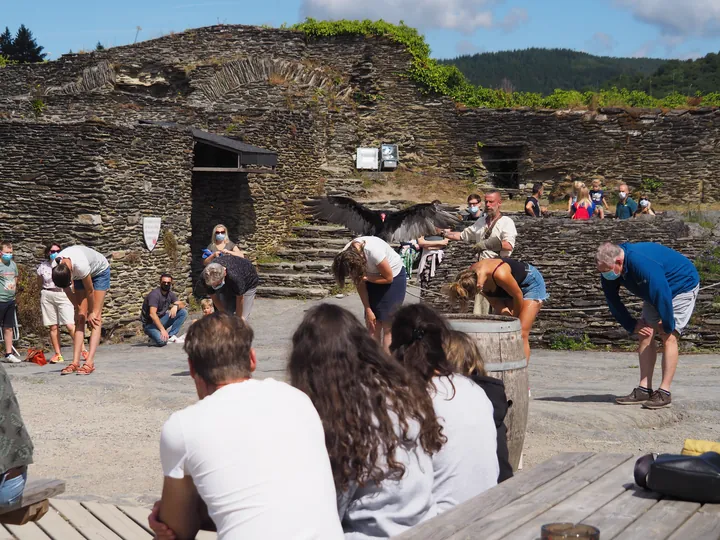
(362,395)
(349,263)
(418,336)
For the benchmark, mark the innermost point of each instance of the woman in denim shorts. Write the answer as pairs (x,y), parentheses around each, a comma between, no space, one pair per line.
(512,287)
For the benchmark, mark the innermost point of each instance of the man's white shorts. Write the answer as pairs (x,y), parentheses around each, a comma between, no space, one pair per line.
(683,306)
(56,308)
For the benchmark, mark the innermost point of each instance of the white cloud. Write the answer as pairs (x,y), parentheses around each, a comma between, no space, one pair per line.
(676,17)
(668,43)
(513,18)
(464,15)
(600,42)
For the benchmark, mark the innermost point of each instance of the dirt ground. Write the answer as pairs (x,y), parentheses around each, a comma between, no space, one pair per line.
(100,432)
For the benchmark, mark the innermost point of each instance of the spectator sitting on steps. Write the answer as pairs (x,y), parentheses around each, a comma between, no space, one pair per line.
(626,207)
(162,313)
(220,245)
(644,208)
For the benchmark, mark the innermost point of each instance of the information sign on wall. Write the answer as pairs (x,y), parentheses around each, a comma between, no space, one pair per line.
(151,231)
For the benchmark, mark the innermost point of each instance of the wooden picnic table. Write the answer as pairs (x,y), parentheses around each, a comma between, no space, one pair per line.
(592,488)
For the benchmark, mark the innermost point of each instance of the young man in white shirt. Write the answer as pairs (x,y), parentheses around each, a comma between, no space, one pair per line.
(248,459)
(84,275)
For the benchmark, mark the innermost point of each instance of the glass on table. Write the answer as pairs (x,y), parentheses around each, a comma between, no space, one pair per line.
(565,531)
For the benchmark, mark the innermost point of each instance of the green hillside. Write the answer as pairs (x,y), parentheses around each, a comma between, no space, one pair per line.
(686,77)
(544,70)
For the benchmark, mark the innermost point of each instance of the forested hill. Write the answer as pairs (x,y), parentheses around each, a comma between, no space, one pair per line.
(544,70)
(687,77)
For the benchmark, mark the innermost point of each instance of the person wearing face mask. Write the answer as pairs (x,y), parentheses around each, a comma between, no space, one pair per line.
(55,305)
(474,210)
(626,207)
(668,284)
(8,309)
(220,245)
(163,314)
(232,283)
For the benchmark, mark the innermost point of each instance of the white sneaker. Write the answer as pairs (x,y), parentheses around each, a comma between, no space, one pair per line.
(180,339)
(12,359)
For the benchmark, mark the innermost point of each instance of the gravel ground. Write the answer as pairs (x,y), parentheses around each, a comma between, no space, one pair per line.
(100,432)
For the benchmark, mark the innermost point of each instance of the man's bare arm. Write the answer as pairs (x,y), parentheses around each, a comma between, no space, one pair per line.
(179,507)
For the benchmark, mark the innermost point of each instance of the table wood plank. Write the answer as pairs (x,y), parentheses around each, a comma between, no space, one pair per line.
(616,516)
(5,534)
(503,521)
(138,514)
(36,490)
(583,503)
(477,508)
(88,525)
(660,521)
(29,531)
(57,528)
(116,521)
(703,525)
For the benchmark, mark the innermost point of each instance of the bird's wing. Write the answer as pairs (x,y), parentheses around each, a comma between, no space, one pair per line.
(419,220)
(347,212)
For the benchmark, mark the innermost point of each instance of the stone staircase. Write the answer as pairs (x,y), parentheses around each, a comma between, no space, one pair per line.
(303,261)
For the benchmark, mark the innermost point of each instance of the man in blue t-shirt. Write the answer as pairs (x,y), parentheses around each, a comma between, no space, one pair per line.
(626,207)
(668,284)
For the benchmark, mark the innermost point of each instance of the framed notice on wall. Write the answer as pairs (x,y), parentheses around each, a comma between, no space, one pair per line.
(151,231)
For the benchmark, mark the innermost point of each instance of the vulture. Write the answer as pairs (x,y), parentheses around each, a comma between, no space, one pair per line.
(400,226)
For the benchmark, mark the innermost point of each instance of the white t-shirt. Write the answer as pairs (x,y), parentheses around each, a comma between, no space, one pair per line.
(85,261)
(256,453)
(467,464)
(504,229)
(376,251)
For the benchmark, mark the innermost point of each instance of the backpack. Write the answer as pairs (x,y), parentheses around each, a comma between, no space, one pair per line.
(581,212)
(37,356)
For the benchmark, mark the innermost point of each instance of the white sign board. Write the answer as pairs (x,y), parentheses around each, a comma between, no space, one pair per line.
(367,158)
(151,231)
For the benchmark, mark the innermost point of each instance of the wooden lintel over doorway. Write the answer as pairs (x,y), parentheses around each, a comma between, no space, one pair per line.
(233,170)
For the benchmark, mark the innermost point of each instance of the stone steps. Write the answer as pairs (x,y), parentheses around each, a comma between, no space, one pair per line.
(287,267)
(322,231)
(306,254)
(316,242)
(292,292)
(296,279)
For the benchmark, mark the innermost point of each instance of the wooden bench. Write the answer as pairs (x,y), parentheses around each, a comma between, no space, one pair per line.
(34,503)
(595,489)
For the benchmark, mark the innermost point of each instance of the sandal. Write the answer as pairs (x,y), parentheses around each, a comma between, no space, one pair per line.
(72,368)
(85,369)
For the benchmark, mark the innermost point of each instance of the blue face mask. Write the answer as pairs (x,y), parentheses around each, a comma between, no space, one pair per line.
(219,285)
(473,209)
(610,275)
(219,237)
(7,257)
(53,256)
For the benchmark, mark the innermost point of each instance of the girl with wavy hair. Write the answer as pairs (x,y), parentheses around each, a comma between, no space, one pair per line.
(380,426)
(467,464)
(512,287)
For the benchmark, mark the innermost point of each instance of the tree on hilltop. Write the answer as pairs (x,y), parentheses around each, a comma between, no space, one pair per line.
(6,43)
(99,47)
(25,47)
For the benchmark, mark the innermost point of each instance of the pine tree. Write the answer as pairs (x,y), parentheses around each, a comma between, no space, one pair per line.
(99,47)
(25,48)
(6,43)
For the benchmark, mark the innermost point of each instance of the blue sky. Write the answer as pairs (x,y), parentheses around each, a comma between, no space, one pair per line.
(658,28)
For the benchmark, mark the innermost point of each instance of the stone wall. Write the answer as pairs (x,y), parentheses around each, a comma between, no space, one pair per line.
(92,184)
(564,250)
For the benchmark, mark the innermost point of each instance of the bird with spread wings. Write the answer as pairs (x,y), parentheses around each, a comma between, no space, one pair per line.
(392,226)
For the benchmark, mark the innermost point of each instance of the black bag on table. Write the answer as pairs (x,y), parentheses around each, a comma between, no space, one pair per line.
(690,478)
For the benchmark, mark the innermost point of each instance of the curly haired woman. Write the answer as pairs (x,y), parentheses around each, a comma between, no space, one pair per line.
(380,426)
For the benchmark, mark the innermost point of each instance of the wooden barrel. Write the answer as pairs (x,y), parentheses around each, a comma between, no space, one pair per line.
(499,340)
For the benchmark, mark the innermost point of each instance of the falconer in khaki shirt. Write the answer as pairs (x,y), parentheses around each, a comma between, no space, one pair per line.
(493,236)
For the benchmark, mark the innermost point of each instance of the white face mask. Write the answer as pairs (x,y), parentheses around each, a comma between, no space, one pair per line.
(622,194)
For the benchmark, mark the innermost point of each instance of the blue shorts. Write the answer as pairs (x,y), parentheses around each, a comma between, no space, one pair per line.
(101,282)
(533,286)
(386,299)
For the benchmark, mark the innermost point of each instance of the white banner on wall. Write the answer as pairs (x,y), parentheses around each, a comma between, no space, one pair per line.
(151,231)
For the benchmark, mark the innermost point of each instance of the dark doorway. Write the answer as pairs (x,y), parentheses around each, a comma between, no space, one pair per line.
(504,165)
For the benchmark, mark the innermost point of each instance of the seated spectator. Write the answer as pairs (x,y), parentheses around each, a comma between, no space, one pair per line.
(462,352)
(626,207)
(380,428)
(162,313)
(598,198)
(220,245)
(250,455)
(473,212)
(206,305)
(573,196)
(532,203)
(644,208)
(17,448)
(583,207)
(467,464)
(233,283)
